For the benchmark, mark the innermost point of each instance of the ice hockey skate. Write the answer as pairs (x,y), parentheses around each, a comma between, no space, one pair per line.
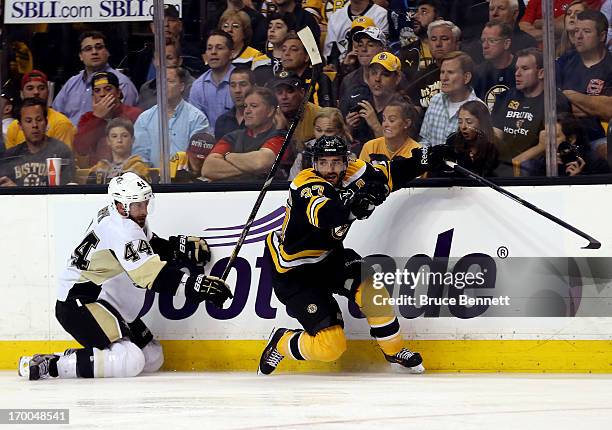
(406,360)
(35,367)
(270,357)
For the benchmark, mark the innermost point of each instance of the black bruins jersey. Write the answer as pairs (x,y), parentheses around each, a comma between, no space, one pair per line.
(316,219)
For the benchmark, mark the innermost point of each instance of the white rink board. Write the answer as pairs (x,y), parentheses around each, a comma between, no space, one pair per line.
(38,234)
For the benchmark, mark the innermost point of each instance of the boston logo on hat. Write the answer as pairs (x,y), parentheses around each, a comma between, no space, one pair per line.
(388,61)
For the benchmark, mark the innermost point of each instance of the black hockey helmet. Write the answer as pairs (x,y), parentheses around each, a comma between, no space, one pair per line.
(329,146)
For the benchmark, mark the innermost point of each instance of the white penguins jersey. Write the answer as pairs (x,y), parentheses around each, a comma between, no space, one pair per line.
(340,24)
(114,262)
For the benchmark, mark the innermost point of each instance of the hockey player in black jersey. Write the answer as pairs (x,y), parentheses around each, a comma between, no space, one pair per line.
(102,289)
(310,265)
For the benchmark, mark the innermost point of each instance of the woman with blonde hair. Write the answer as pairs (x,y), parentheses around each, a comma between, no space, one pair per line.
(327,122)
(238,25)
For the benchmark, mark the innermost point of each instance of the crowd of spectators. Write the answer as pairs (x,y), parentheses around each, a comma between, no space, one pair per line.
(397,75)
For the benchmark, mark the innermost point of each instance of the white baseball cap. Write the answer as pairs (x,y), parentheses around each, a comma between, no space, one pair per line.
(374,33)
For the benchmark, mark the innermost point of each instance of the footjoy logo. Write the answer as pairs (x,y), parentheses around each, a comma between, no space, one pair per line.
(246,270)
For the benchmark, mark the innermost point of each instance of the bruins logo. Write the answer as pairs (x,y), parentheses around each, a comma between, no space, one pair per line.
(338,233)
(382,56)
(284,74)
(311,308)
(493,92)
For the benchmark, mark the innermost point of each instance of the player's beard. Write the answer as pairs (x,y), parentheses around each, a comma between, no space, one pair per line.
(332,178)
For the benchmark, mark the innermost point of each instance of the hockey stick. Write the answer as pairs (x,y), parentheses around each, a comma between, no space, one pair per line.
(593,243)
(312,49)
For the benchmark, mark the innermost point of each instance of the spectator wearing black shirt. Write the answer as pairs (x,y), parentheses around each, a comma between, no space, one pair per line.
(416,56)
(302,18)
(585,75)
(496,74)
(295,59)
(384,76)
(367,42)
(507,11)
(518,114)
(574,153)
(241,82)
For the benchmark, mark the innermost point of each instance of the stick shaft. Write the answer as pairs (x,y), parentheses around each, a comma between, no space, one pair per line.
(269,178)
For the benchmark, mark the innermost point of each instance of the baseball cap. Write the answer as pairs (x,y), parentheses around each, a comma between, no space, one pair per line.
(363,22)
(287,78)
(103,78)
(200,145)
(170,11)
(388,61)
(374,33)
(33,75)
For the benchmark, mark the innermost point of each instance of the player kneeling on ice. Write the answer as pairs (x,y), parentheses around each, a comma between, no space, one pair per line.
(309,263)
(102,290)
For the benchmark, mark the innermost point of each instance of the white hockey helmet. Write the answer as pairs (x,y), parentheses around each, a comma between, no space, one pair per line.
(129,188)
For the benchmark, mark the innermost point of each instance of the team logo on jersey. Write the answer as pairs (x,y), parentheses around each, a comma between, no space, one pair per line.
(311,308)
(519,123)
(284,74)
(338,233)
(359,183)
(595,87)
(493,92)
(513,104)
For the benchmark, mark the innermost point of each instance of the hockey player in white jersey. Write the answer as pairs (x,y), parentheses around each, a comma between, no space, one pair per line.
(343,20)
(102,289)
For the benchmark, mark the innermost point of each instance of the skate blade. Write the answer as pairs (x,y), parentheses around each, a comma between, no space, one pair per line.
(24,367)
(415,370)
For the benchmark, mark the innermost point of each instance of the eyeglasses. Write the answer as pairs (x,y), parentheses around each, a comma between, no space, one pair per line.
(97,47)
(491,40)
(233,26)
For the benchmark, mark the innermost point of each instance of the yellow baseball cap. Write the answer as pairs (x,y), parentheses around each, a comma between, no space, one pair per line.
(363,22)
(388,61)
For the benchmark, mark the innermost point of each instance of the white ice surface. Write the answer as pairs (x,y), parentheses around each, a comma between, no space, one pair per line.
(323,401)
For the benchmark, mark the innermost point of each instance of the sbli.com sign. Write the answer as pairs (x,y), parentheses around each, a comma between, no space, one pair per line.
(64,11)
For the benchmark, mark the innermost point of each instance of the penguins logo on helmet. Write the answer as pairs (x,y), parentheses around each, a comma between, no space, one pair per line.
(129,188)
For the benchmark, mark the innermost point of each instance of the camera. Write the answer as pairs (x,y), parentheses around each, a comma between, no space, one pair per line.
(359,94)
(568,152)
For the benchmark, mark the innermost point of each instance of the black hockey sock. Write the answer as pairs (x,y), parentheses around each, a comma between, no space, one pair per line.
(53,367)
(84,366)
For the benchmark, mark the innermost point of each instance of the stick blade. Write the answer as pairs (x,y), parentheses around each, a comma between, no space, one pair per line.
(593,244)
(311,45)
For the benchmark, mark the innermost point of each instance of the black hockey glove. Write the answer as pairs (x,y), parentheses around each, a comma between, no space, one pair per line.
(432,157)
(362,207)
(190,248)
(374,191)
(210,288)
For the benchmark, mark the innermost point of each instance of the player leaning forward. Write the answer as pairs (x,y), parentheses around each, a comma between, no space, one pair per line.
(309,263)
(102,290)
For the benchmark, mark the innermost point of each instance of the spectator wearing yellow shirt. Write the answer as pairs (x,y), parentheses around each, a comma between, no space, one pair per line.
(120,138)
(34,84)
(398,124)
